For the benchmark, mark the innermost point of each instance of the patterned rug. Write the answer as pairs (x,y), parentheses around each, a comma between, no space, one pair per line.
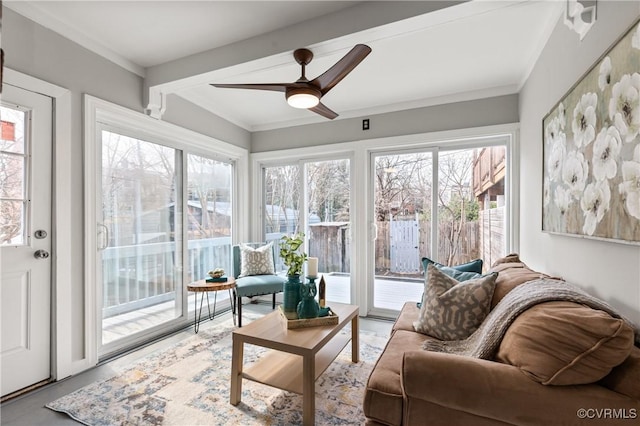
(188,384)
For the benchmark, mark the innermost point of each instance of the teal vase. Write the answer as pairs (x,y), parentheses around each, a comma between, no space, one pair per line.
(308,307)
(291,296)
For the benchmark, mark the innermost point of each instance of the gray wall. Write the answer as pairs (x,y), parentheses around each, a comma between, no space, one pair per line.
(609,270)
(459,115)
(185,114)
(36,51)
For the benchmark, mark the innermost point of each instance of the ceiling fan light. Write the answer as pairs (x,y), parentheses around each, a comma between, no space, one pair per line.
(303,97)
(303,100)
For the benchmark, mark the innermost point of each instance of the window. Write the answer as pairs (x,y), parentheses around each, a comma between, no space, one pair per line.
(372,209)
(161,212)
(447,205)
(13,172)
(320,200)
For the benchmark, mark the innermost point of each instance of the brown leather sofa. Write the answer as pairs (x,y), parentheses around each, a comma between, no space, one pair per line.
(412,386)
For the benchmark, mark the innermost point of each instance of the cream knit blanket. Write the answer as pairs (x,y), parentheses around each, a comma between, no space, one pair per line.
(485,341)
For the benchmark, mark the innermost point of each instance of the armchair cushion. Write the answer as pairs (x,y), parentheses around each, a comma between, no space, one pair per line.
(256,261)
(258,285)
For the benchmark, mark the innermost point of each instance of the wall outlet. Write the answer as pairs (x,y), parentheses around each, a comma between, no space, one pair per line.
(365,124)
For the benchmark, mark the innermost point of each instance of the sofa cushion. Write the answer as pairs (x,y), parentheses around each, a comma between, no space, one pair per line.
(408,314)
(625,378)
(256,261)
(565,343)
(383,394)
(510,275)
(451,309)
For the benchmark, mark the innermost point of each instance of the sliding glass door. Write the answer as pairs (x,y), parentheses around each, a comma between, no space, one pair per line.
(447,205)
(208,215)
(403,194)
(313,196)
(165,220)
(140,236)
(328,224)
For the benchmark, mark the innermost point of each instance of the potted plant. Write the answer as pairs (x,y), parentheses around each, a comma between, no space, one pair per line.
(292,254)
(293,258)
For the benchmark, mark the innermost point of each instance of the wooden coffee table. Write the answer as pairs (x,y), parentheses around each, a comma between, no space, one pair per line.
(299,357)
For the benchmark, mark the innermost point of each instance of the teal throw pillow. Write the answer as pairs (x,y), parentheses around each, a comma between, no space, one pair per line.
(473,268)
(458,274)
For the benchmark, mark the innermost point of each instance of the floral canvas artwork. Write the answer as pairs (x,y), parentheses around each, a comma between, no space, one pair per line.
(591,168)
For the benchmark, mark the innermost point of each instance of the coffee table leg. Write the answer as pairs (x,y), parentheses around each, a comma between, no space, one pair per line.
(355,342)
(308,390)
(236,371)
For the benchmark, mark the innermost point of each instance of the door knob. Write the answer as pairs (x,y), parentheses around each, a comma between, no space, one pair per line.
(41,254)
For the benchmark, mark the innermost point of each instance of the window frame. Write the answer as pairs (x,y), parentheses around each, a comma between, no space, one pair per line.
(360,152)
(99,114)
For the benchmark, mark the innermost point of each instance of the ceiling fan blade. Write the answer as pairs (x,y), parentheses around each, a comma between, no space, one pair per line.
(340,69)
(276,87)
(324,111)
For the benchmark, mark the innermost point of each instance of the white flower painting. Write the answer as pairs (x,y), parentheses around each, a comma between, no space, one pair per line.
(594,204)
(630,186)
(604,78)
(574,173)
(635,39)
(606,150)
(591,164)
(584,120)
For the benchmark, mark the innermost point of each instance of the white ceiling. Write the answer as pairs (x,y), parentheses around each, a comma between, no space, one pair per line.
(471,50)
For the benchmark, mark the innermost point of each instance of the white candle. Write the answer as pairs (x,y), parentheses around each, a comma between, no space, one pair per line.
(312,267)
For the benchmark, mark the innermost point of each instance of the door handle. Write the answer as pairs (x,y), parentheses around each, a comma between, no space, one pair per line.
(105,238)
(41,254)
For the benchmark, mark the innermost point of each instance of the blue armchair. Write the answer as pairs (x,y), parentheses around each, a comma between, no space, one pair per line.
(254,285)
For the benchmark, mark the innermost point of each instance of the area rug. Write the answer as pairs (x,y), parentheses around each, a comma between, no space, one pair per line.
(188,384)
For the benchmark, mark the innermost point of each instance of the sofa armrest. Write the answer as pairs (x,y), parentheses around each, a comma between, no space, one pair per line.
(497,391)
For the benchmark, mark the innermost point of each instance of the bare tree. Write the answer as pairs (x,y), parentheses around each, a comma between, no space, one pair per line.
(328,189)
(283,197)
(399,184)
(454,196)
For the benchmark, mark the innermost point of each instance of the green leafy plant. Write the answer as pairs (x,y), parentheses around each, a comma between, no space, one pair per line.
(292,254)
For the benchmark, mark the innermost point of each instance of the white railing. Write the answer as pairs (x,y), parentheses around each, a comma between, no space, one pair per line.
(144,275)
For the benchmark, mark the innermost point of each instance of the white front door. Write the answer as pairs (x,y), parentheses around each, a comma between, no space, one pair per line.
(25,238)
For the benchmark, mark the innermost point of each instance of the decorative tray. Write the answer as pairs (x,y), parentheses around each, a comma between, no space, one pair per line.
(331,319)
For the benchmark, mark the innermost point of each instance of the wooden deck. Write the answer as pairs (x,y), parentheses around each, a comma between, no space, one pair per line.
(389,294)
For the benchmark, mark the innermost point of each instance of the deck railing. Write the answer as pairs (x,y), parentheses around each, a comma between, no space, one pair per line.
(144,275)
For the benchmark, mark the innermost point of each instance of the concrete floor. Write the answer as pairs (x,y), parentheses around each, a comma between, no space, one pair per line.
(29,410)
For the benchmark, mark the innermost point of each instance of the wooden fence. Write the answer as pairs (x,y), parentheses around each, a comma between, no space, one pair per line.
(331,244)
(459,250)
(492,236)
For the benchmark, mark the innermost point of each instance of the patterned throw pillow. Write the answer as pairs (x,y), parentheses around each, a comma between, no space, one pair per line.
(473,267)
(452,310)
(258,261)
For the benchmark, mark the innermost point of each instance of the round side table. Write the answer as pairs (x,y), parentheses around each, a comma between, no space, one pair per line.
(204,287)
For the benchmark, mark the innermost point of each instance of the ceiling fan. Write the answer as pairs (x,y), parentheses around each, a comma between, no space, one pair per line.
(306,94)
